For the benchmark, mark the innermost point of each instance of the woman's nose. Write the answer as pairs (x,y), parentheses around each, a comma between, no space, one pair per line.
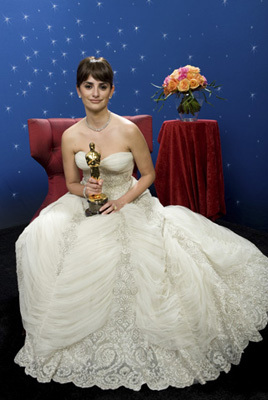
(95,91)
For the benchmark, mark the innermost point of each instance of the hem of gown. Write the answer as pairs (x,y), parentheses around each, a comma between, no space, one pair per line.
(135,388)
(201,369)
(138,386)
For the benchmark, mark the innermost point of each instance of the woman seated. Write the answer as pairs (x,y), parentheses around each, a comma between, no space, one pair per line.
(137,293)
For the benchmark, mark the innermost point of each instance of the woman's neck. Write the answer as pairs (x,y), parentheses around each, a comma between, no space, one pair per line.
(98,121)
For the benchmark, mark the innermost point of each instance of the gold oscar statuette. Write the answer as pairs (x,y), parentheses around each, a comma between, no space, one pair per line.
(95,201)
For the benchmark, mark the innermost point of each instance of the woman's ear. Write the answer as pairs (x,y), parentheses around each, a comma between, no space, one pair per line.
(78,92)
(112,92)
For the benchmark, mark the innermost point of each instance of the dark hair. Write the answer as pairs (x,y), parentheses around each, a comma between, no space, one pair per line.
(98,68)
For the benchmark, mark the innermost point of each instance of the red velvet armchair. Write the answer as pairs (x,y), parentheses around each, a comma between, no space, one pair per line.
(45,145)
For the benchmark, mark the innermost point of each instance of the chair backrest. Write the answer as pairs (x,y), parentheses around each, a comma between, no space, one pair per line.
(45,145)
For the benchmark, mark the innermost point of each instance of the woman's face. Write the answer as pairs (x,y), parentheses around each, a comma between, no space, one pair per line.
(95,94)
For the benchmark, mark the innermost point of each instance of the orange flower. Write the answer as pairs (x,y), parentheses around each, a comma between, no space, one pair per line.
(193,69)
(183,85)
(175,74)
(166,91)
(172,85)
(191,75)
(194,83)
(202,80)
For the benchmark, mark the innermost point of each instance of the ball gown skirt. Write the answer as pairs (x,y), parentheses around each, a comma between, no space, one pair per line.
(147,295)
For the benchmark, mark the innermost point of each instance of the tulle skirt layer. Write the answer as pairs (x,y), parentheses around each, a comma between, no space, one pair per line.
(148,294)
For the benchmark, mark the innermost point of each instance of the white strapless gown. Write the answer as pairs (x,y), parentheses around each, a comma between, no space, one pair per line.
(149,294)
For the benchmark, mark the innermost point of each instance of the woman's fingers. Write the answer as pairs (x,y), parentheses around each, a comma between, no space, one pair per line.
(109,207)
(94,186)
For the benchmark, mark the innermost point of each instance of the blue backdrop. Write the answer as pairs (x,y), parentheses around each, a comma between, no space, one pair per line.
(42,43)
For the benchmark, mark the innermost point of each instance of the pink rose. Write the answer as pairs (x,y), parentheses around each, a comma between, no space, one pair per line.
(183,73)
(166,81)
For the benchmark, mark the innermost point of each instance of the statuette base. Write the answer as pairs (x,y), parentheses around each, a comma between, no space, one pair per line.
(95,202)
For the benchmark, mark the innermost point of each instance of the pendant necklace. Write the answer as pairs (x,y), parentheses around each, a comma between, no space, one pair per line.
(102,127)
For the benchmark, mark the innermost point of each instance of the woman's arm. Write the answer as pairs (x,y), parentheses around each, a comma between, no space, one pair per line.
(139,148)
(71,172)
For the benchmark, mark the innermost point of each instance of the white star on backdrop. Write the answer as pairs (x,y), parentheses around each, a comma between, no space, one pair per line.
(7,20)
(25,17)
(253,48)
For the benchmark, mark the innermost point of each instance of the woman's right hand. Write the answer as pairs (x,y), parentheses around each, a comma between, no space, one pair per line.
(93,186)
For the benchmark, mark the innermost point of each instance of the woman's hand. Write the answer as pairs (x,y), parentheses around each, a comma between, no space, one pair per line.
(111,206)
(93,186)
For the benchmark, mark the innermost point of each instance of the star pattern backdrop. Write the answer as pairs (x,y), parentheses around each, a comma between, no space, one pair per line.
(43,41)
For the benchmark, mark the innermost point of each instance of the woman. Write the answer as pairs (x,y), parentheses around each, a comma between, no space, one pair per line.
(142,293)
(117,135)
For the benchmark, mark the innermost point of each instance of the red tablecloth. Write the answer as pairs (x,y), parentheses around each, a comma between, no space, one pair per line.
(189,167)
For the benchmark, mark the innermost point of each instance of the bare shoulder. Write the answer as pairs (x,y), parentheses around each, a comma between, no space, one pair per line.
(69,134)
(128,127)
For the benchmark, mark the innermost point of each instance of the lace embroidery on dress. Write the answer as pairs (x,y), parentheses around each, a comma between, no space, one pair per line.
(67,240)
(119,353)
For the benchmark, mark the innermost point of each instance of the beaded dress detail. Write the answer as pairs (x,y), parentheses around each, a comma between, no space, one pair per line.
(147,295)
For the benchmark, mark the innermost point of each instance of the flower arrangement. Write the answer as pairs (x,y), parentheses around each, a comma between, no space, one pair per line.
(185,81)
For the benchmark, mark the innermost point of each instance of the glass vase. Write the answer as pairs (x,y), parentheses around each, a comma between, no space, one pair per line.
(189,104)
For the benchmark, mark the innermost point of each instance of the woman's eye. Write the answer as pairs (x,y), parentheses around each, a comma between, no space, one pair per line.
(104,87)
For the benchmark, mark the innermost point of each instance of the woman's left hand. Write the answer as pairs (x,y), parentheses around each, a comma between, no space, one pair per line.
(111,206)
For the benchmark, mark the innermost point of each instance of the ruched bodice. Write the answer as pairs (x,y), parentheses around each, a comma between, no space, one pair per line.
(115,170)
